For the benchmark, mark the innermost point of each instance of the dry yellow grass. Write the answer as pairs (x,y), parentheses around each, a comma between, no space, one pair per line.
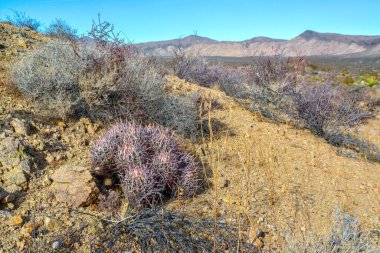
(274,178)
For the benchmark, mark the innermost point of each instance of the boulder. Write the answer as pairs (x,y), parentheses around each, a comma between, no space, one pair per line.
(74,185)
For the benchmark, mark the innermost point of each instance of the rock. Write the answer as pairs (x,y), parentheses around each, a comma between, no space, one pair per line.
(108,182)
(56,245)
(24,166)
(49,158)
(13,188)
(3,193)
(22,43)
(15,221)
(46,180)
(10,152)
(9,198)
(16,176)
(259,244)
(74,185)
(14,160)
(10,206)
(5,214)
(53,224)
(30,228)
(20,127)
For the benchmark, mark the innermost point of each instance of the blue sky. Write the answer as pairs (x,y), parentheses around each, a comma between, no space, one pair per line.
(149,20)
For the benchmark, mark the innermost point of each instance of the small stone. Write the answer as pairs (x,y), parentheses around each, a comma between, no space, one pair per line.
(9,198)
(30,228)
(22,43)
(16,176)
(49,158)
(24,166)
(3,193)
(5,214)
(60,124)
(15,221)
(56,245)
(20,127)
(47,180)
(259,244)
(91,129)
(52,224)
(10,206)
(108,182)
(98,171)
(13,188)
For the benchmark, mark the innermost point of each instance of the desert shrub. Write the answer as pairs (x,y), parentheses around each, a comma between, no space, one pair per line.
(369,80)
(102,32)
(50,75)
(327,109)
(194,68)
(271,79)
(61,30)
(346,236)
(366,148)
(120,82)
(58,75)
(265,81)
(20,19)
(348,80)
(234,82)
(107,82)
(148,163)
(103,79)
(180,114)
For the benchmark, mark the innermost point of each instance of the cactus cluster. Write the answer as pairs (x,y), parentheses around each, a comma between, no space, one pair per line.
(148,163)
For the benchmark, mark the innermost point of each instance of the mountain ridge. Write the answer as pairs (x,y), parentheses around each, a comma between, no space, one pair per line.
(308,43)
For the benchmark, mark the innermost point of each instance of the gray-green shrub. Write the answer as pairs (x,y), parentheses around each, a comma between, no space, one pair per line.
(104,81)
(49,76)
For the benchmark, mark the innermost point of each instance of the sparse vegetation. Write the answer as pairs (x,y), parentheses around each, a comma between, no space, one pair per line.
(109,133)
(194,68)
(20,19)
(369,80)
(328,110)
(50,76)
(103,79)
(346,236)
(61,30)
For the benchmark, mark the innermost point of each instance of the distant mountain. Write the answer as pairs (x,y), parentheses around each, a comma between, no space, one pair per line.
(307,43)
(349,39)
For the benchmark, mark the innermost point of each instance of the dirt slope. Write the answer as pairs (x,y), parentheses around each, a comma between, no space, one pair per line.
(267,177)
(14,41)
(279,177)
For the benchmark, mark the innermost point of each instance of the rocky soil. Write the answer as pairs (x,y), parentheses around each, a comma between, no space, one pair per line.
(267,177)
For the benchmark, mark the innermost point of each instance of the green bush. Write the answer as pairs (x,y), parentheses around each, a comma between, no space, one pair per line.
(369,80)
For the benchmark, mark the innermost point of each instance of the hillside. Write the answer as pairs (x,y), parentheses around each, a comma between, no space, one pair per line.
(268,178)
(308,43)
